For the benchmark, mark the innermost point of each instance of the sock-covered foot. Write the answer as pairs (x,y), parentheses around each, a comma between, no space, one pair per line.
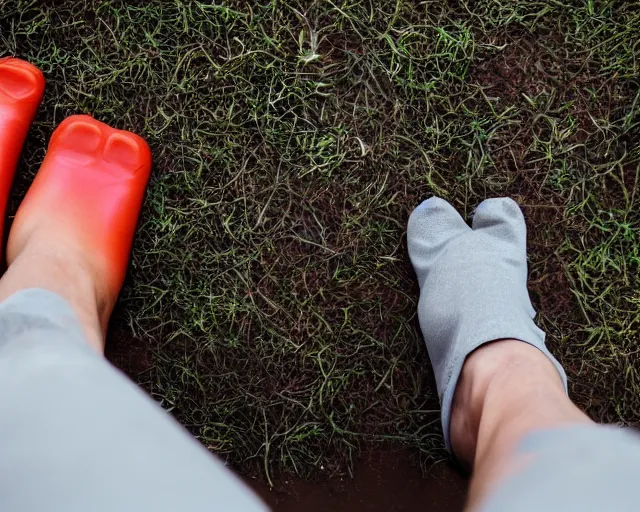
(21,89)
(473,286)
(83,206)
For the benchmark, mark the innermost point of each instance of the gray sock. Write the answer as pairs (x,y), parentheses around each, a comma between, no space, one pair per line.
(473,286)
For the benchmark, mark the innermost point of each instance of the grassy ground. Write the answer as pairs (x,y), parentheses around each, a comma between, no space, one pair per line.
(271,305)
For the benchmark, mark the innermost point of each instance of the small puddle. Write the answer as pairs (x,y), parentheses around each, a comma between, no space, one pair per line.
(385,480)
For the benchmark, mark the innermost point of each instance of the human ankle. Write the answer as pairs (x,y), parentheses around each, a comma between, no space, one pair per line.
(498,377)
(64,270)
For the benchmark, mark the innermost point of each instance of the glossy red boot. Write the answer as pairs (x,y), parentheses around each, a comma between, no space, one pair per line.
(21,89)
(87,195)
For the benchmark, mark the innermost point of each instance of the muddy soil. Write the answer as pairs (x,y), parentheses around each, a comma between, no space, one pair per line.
(386,480)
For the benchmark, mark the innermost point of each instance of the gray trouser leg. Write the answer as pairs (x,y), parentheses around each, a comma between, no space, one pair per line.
(76,435)
(582,468)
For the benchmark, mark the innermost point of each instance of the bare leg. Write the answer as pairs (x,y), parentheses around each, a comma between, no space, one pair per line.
(507,390)
(55,264)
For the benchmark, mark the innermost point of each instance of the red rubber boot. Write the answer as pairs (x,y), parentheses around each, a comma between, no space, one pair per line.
(21,89)
(88,193)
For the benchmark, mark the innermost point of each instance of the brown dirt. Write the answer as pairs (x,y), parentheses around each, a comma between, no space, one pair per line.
(385,480)
(131,355)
